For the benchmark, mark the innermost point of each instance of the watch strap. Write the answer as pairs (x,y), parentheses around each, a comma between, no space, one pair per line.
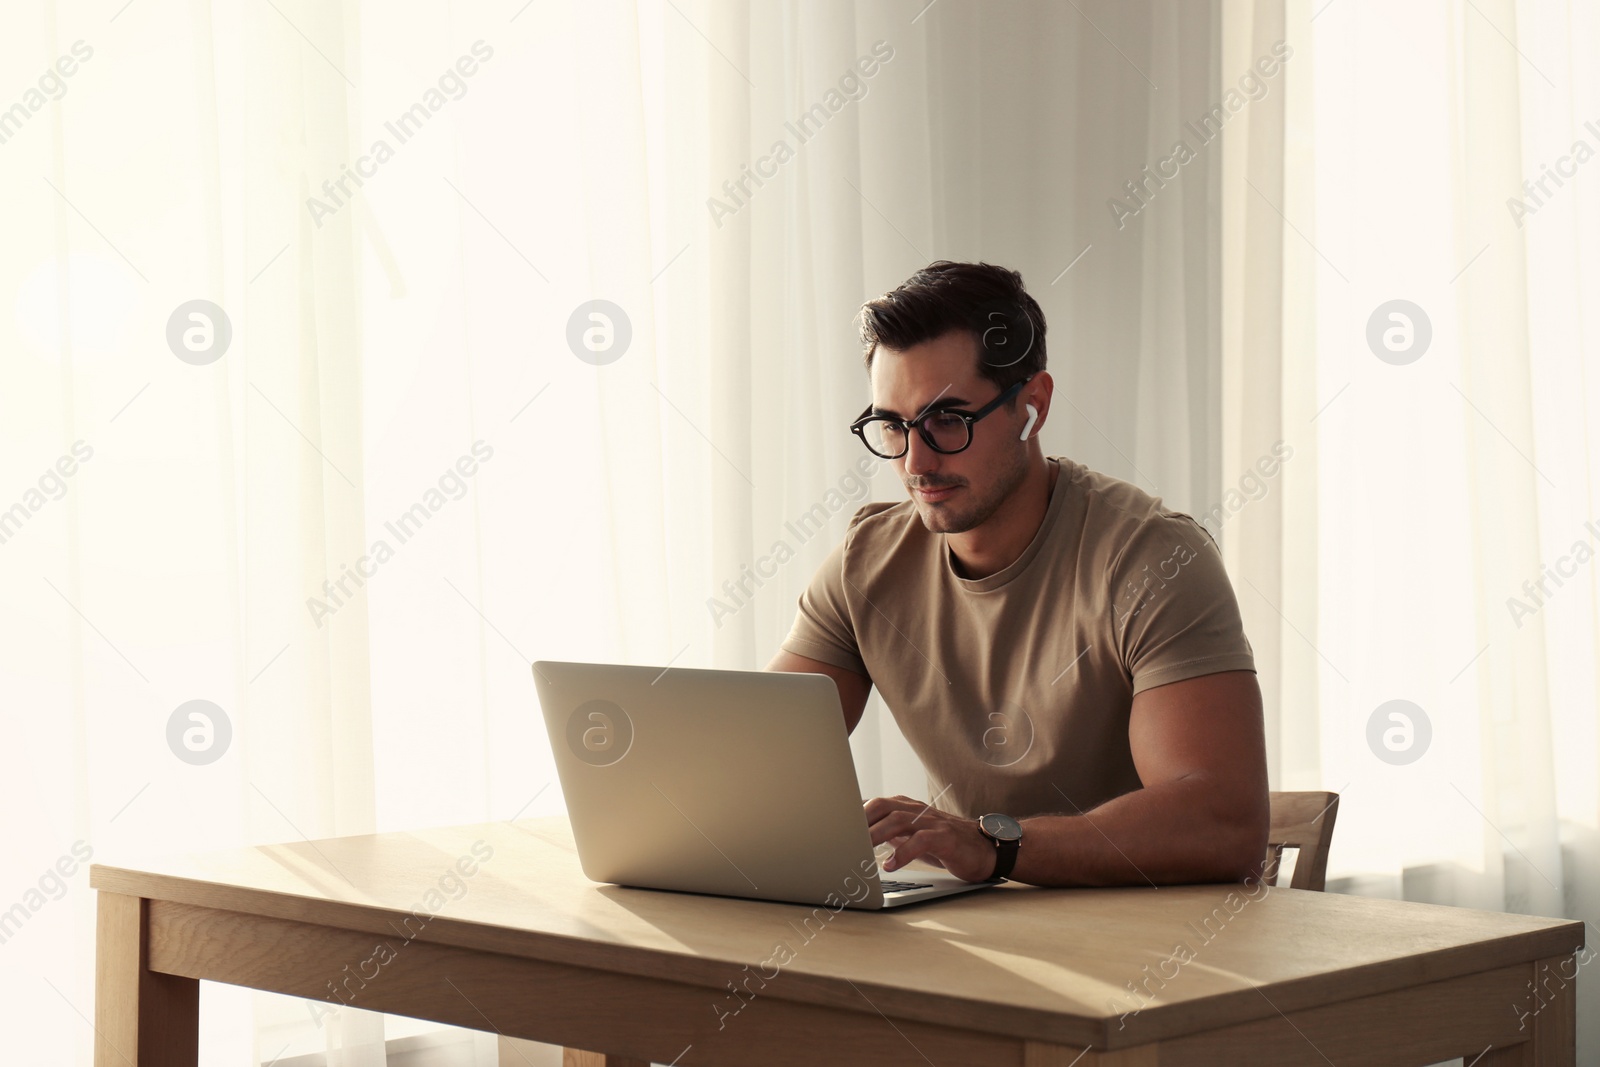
(1005,857)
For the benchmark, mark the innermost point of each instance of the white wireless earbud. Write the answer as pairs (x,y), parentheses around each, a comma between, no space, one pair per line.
(1033,416)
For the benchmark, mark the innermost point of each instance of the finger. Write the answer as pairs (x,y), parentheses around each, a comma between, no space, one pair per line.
(882,818)
(878,807)
(894,824)
(918,844)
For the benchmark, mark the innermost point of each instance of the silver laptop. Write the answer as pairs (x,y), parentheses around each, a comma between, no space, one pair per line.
(734,783)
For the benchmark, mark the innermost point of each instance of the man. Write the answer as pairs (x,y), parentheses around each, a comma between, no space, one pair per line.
(1064,653)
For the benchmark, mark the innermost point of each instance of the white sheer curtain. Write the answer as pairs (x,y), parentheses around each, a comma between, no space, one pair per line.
(401,480)
(1402,555)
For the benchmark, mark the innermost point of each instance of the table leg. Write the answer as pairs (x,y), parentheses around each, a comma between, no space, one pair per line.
(572,1057)
(142,1018)
(1551,1016)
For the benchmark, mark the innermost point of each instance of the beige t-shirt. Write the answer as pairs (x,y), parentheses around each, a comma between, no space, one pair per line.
(1015,690)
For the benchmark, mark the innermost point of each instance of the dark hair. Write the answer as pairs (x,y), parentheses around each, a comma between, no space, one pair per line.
(987,301)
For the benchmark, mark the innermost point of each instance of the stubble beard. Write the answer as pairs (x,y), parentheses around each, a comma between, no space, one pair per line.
(942,518)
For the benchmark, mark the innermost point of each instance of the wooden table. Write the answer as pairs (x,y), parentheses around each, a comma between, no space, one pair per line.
(526,946)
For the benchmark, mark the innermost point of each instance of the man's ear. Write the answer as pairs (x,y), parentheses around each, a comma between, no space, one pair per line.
(1036,401)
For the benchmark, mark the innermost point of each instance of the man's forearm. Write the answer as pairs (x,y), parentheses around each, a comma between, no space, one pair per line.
(1171,832)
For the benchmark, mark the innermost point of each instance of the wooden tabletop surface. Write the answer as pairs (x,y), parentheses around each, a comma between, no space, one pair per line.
(1048,964)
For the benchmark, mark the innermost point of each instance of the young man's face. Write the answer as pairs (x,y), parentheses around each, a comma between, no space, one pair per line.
(956,492)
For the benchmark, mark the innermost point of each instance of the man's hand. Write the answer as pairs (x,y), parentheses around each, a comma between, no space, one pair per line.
(921,832)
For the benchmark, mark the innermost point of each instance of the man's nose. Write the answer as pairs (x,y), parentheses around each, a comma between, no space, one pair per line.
(920,456)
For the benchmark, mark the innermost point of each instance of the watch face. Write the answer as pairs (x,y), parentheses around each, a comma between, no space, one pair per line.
(1002,827)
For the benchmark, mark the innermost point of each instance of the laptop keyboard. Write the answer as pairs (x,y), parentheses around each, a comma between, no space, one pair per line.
(900,887)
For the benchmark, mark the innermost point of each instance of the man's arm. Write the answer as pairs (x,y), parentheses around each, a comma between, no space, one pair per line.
(853,687)
(1202,815)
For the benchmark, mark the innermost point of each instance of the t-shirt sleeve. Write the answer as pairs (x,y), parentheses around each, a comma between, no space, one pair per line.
(1173,608)
(823,629)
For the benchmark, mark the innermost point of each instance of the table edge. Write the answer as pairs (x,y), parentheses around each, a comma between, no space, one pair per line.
(1559,937)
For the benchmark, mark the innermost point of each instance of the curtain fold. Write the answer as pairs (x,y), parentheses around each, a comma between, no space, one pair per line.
(1249,526)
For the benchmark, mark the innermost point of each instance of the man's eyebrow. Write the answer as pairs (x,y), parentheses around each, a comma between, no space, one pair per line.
(941,403)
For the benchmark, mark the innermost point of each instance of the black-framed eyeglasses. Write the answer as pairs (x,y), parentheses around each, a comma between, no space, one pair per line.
(946,430)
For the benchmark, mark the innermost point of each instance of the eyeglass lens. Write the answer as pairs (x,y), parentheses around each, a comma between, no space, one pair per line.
(949,433)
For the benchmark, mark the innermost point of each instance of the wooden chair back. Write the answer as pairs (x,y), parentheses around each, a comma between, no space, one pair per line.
(1302,821)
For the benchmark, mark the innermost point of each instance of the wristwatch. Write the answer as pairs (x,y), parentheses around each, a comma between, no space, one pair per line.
(1006,833)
